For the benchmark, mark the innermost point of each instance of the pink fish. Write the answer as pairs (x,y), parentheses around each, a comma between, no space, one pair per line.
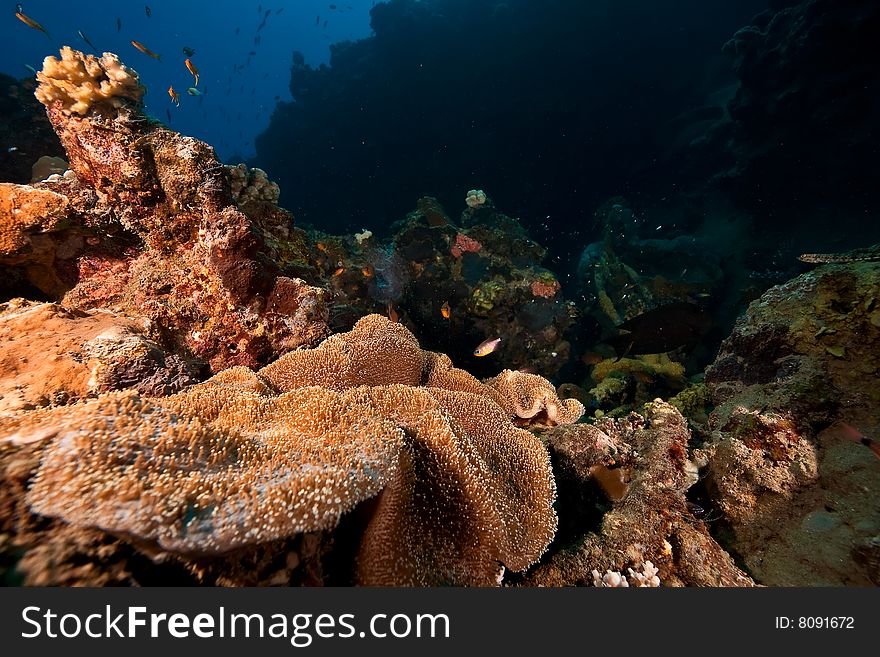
(486,347)
(849,432)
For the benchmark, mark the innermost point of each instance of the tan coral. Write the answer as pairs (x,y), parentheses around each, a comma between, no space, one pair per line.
(375,352)
(26,212)
(230,463)
(472,493)
(250,185)
(51,355)
(214,470)
(79,81)
(529,395)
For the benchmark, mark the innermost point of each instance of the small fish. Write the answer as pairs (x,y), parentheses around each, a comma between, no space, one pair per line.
(237,30)
(148,11)
(145,50)
(12,149)
(486,347)
(192,91)
(168,114)
(31,68)
(317,20)
(445,310)
(367,271)
(592,358)
(192,69)
(339,271)
(175,97)
(118,24)
(325,24)
(86,39)
(189,52)
(332,6)
(392,312)
(843,430)
(30,22)
(279,10)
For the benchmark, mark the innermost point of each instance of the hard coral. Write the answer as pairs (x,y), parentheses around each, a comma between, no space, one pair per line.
(79,82)
(246,458)
(652,522)
(794,494)
(546,289)
(50,355)
(464,244)
(153,226)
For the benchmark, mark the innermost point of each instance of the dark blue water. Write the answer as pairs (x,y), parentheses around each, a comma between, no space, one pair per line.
(552,107)
(237,104)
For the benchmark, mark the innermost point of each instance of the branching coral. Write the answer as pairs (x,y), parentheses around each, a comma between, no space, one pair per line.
(475,198)
(251,185)
(79,81)
(246,458)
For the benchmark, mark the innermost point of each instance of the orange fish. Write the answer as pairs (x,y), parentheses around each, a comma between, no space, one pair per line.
(339,271)
(30,22)
(445,310)
(145,50)
(486,347)
(175,97)
(321,246)
(367,271)
(844,430)
(592,358)
(392,313)
(192,69)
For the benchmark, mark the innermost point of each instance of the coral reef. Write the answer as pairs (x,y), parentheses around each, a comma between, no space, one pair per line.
(29,247)
(647,576)
(797,499)
(625,274)
(623,487)
(529,395)
(151,226)
(53,356)
(248,458)
(488,273)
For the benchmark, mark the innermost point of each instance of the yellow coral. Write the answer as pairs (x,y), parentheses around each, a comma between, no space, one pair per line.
(652,366)
(80,81)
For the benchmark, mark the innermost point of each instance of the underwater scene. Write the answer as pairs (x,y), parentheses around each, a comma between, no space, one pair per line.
(505,293)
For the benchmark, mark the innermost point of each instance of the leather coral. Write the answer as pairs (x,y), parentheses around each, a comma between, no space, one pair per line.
(249,457)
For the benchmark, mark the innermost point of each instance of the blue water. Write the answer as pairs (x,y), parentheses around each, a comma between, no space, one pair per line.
(232,112)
